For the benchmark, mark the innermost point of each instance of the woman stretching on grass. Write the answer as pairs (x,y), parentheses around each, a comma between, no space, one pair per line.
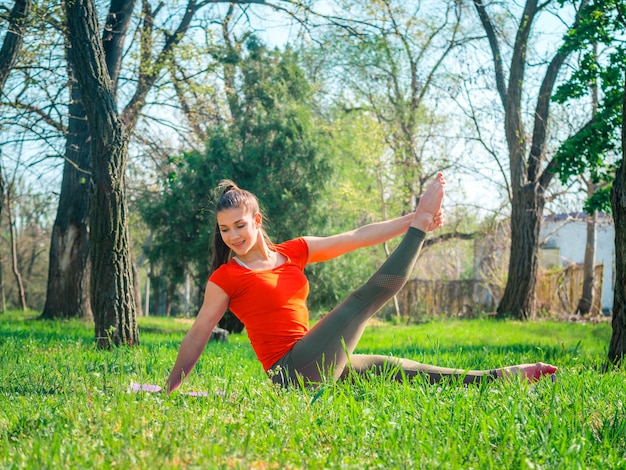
(264,285)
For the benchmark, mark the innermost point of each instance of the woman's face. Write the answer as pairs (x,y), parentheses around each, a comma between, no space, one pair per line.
(239,229)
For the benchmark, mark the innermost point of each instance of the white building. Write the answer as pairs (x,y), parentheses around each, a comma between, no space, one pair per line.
(563,238)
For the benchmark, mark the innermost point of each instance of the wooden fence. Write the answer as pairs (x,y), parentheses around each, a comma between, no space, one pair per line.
(558,292)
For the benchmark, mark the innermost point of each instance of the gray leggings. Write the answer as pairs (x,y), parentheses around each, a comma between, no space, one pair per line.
(326,350)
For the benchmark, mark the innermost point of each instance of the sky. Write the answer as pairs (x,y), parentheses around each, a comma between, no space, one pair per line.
(478,189)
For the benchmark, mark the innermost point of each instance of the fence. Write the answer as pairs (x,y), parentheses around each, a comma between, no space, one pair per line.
(558,292)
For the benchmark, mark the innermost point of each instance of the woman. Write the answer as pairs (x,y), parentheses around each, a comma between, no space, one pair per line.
(264,285)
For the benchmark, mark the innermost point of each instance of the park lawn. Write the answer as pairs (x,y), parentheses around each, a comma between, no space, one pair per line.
(65,404)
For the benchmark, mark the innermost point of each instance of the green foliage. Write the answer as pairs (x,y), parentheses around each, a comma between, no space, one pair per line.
(596,148)
(354,198)
(64,403)
(386,67)
(600,201)
(274,147)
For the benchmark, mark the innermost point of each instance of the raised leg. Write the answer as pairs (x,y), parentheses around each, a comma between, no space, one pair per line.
(325,350)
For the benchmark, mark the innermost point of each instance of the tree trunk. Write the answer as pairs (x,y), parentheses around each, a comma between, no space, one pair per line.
(137,287)
(617,347)
(586,299)
(11,47)
(67,292)
(519,294)
(69,268)
(112,289)
(13,40)
(2,298)
(13,240)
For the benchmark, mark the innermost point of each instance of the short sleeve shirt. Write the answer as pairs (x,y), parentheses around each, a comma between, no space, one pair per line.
(270,303)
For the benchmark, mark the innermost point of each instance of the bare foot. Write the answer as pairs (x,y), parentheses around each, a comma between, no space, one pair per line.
(429,214)
(529,372)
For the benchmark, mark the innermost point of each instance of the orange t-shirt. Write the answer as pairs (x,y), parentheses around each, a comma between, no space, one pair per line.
(272,303)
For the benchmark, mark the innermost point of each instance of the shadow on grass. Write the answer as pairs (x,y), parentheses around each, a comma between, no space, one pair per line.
(48,331)
(44,331)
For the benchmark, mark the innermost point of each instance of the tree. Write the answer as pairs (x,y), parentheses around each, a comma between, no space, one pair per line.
(387,59)
(69,263)
(530,167)
(600,146)
(14,249)
(112,292)
(272,145)
(567,166)
(69,268)
(9,53)
(617,347)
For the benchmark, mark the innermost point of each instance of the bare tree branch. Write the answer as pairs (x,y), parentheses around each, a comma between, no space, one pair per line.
(495,49)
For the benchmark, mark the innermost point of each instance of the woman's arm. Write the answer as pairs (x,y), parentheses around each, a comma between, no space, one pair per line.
(325,248)
(213,308)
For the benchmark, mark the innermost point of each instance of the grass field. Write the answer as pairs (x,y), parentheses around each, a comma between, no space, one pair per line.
(65,404)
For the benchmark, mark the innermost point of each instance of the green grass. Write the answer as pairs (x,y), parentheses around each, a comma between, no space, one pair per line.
(64,404)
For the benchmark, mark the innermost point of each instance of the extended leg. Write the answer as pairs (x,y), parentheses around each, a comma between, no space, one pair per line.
(405,368)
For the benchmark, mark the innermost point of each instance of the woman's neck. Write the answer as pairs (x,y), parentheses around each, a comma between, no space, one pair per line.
(260,252)
(261,258)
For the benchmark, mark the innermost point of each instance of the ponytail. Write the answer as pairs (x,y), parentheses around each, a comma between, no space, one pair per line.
(229,196)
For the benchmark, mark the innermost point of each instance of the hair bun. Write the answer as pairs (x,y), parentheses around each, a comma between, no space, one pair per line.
(225,186)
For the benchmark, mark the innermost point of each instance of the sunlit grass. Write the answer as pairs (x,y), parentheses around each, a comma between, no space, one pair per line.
(64,404)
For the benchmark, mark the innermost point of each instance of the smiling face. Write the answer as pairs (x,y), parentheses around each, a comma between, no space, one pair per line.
(239,229)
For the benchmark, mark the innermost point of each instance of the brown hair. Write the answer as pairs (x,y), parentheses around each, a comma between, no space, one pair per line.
(230,196)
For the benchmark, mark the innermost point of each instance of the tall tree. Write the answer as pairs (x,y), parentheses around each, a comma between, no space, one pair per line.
(617,346)
(600,147)
(69,271)
(530,165)
(589,280)
(9,53)
(389,59)
(112,291)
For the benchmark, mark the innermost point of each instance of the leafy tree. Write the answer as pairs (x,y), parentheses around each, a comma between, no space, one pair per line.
(388,58)
(529,161)
(272,146)
(600,146)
